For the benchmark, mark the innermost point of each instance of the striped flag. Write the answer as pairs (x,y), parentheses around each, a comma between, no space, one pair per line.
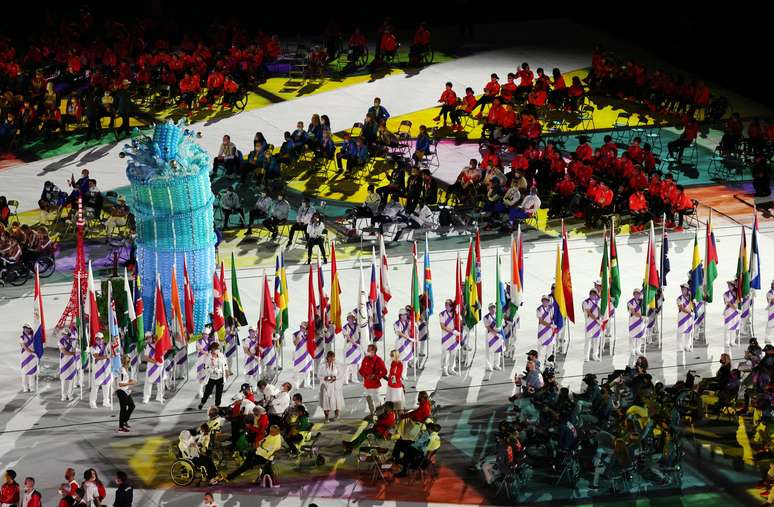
(697,271)
(226,296)
(651,281)
(38,319)
(472,305)
(711,261)
(615,274)
(517,274)
(131,316)
(188,300)
(375,302)
(280,295)
(664,265)
(567,278)
(477,264)
(755,259)
(742,273)
(335,291)
(218,320)
(428,280)
(458,299)
(236,303)
(311,310)
(139,309)
(178,329)
(560,308)
(415,305)
(500,294)
(268,319)
(604,275)
(323,299)
(384,284)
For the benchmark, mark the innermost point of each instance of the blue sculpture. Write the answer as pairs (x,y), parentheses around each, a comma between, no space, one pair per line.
(171,199)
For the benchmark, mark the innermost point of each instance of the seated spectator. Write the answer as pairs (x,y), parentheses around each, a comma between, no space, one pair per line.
(634,152)
(558,93)
(448,103)
(491,90)
(230,89)
(575,94)
(388,45)
(687,137)
(326,149)
(421,450)
(529,207)
(385,139)
(303,217)
(227,157)
(94,199)
(681,205)
(355,153)
(493,118)
(638,207)
(370,205)
(272,171)
(429,188)
(314,132)
(230,204)
(420,44)
(288,152)
(508,90)
(8,130)
(189,88)
(369,131)
(299,137)
(381,428)
(10,250)
(378,111)
(356,47)
(526,79)
(422,146)
(51,198)
(5,211)
(254,163)
(464,188)
(396,183)
(260,210)
(278,214)
(465,107)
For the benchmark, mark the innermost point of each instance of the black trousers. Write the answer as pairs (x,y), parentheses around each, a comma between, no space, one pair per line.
(213,384)
(294,229)
(311,243)
(252,460)
(127,407)
(678,146)
(445,110)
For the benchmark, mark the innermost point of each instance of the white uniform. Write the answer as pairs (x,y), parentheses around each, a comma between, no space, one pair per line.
(252,362)
(404,346)
(770,316)
(545,329)
(331,395)
(730,319)
(29,362)
(269,360)
(154,374)
(302,361)
(134,361)
(202,348)
(232,344)
(353,352)
(636,325)
(494,343)
(449,342)
(684,323)
(699,320)
(102,375)
(592,329)
(68,364)
(422,335)
(745,316)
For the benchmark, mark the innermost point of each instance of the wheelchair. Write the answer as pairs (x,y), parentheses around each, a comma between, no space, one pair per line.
(309,451)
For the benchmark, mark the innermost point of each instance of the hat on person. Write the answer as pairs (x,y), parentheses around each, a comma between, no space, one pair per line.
(403,311)
(27,326)
(304,323)
(637,290)
(532,352)
(492,305)
(545,298)
(598,282)
(99,335)
(685,286)
(351,314)
(495,76)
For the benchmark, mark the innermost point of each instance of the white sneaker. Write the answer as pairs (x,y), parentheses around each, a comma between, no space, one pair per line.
(498,368)
(92,405)
(452,372)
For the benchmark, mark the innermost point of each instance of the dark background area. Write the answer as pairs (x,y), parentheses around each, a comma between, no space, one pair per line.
(728,48)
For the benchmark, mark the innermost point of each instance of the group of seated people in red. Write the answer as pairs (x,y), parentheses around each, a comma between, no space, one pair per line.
(659,90)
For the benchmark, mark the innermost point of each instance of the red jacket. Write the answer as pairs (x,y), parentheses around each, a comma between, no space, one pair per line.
(9,493)
(448,97)
(420,413)
(492,88)
(260,429)
(385,423)
(395,378)
(373,370)
(388,42)
(508,90)
(469,103)
(526,77)
(637,203)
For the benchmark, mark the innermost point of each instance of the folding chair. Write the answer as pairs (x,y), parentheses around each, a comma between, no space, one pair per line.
(621,130)
(431,158)
(357,125)
(653,137)
(13,205)
(586,117)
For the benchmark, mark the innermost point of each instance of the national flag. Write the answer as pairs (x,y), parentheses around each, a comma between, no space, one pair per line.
(310,316)
(615,274)
(236,302)
(560,308)
(415,305)
(188,300)
(80,322)
(428,280)
(322,298)
(179,332)
(112,320)
(226,296)
(280,296)
(362,308)
(218,320)
(131,316)
(517,274)
(458,299)
(500,294)
(384,283)
(335,291)
(697,271)
(710,261)
(664,266)
(375,302)
(754,269)
(91,311)
(139,309)
(38,319)
(268,319)
(163,340)
(478,272)
(742,274)
(604,275)
(651,281)
(567,277)
(472,305)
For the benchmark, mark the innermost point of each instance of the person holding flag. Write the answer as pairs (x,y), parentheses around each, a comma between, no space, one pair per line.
(546,330)
(353,353)
(102,376)
(754,270)
(29,360)
(68,362)
(696,283)
(154,370)
(744,294)
(404,342)
(494,338)
(252,359)
(449,335)
(685,319)
(232,341)
(302,360)
(203,344)
(427,303)
(422,329)
(268,334)
(636,322)
(730,315)
(131,330)
(593,329)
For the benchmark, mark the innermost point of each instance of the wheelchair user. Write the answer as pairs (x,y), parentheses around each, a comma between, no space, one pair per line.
(191,449)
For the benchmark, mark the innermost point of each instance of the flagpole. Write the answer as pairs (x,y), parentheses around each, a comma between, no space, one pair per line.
(661,284)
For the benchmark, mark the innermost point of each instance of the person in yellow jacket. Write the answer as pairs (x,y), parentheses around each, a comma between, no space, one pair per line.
(263,457)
